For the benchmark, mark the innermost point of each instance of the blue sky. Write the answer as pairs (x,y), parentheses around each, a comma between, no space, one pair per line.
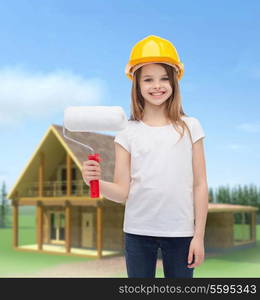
(59,53)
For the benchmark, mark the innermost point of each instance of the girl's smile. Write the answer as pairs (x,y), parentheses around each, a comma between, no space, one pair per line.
(158,95)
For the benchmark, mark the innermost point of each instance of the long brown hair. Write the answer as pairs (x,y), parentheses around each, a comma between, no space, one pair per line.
(174,110)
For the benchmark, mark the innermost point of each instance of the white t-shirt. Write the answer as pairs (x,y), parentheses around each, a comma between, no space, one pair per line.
(160,199)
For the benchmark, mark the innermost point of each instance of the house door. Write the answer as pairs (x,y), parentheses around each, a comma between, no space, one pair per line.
(87,230)
(57,227)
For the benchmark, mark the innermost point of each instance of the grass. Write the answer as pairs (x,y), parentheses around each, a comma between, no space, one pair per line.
(14,262)
(241,263)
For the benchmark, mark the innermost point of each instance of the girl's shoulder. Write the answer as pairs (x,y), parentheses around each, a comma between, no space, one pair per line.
(192,122)
(189,119)
(132,124)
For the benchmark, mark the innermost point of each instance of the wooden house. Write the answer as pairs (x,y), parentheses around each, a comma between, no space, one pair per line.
(69,222)
(230,227)
(67,219)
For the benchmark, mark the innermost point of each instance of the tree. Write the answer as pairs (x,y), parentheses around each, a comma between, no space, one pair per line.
(3,207)
(211,195)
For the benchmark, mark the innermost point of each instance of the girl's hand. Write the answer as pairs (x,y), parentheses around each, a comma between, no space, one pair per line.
(197,251)
(91,170)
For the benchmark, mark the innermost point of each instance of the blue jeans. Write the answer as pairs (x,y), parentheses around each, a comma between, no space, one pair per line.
(141,256)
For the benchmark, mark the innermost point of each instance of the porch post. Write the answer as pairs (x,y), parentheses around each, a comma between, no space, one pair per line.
(68,167)
(39,222)
(68,226)
(253,226)
(99,231)
(41,175)
(15,224)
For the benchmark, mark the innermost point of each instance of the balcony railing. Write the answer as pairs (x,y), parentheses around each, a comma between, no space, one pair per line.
(57,188)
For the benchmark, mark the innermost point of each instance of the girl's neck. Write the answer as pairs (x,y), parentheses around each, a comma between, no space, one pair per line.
(156,121)
(155,118)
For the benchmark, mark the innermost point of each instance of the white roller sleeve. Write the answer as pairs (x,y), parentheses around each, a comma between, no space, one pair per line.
(94,118)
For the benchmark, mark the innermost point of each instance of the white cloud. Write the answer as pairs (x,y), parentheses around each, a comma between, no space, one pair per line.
(250,127)
(25,95)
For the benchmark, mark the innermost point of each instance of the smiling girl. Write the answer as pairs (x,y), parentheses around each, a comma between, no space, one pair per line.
(160,171)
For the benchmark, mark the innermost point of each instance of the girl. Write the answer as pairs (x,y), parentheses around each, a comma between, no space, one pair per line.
(160,170)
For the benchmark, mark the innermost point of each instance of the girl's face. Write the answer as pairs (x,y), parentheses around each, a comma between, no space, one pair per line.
(154,84)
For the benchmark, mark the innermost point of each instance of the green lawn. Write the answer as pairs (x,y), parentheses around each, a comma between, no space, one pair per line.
(15,262)
(242,263)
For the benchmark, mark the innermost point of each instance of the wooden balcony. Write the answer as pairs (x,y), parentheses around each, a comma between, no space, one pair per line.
(57,189)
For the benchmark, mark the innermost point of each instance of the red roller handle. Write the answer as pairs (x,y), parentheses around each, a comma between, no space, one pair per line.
(94,184)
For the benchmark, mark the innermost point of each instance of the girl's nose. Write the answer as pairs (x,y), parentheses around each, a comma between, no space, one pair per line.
(157,84)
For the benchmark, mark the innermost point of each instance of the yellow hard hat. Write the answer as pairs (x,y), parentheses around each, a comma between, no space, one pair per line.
(153,49)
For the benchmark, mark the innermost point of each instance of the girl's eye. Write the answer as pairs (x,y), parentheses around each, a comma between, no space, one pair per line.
(165,78)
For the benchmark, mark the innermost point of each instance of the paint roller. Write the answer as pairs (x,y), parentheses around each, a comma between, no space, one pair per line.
(90,119)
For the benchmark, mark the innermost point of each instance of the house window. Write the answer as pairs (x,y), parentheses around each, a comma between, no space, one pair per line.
(57,227)
(64,181)
(73,178)
(242,227)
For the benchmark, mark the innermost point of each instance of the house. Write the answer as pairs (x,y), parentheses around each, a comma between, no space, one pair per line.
(68,221)
(230,227)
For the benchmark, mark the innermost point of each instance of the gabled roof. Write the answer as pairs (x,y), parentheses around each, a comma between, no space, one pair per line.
(101,143)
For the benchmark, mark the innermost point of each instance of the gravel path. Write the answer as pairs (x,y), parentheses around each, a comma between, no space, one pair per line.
(106,267)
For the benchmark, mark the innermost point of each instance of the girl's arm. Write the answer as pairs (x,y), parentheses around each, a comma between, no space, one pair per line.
(200,188)
(113,191)
(200,193)
(118,190)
